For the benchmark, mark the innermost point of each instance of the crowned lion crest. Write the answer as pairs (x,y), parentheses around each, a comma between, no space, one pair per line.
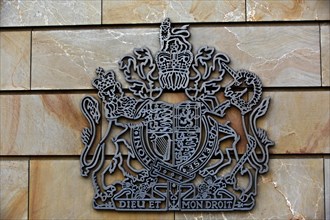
(175,156)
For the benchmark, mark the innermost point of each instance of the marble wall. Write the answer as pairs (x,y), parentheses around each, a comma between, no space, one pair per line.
(49,52)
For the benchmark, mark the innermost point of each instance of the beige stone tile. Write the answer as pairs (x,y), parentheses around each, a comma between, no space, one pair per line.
(293,60)
(325,54)
(298,121)
(14,188)
(327,186)
(48,124)
(15,60)
(59,192)
(284,10)
(144,11)
(67,59)
(293,189)
(280,55)
(49,12)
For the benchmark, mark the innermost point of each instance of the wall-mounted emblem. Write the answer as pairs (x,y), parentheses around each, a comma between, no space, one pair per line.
(175,156)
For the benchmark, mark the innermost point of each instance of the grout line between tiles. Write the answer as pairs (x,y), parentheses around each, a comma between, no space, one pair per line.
(28,205)
(324,190)
(156,24)
(31,59)
(101,12)
(77,156)
(320,45)
(94,91)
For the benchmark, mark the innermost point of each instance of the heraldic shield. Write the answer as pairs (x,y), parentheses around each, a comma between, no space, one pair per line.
(157,155)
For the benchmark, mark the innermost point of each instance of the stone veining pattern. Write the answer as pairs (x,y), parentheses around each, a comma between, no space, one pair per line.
(49,12)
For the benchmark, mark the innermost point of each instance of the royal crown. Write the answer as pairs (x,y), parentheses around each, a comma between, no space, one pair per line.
(175,57)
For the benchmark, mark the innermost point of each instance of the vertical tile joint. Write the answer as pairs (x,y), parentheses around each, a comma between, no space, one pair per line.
(31,58)
(101,12)
(28,202)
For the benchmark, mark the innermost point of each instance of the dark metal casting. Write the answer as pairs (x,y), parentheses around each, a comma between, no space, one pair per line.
(176,156)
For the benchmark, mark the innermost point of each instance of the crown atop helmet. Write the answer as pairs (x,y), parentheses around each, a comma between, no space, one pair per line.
(175,57)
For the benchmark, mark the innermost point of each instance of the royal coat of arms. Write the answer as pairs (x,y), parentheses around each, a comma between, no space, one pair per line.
(175,156)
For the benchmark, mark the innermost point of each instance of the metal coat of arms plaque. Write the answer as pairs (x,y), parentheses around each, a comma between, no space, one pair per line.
(175,156)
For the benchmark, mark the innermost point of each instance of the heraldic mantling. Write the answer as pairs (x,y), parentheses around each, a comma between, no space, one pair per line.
(175,156)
